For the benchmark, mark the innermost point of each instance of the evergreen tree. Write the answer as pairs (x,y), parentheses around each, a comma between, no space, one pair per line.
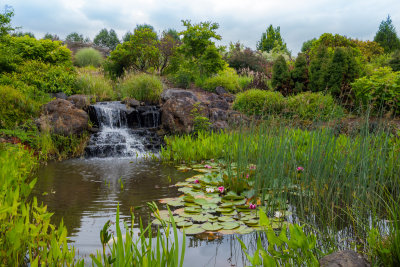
(49,36)
(394,62)
(270,39)
(300,73)
(107,39)
(5,21)
(319,70)
(387,36)
(281,76)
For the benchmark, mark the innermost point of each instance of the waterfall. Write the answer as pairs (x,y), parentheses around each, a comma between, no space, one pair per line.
(123,131)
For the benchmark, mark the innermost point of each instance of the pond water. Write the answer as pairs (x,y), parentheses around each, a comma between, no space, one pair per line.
(84,193)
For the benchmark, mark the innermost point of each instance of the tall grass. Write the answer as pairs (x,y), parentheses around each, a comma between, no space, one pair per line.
(93,82)
(88,57)
(142,87)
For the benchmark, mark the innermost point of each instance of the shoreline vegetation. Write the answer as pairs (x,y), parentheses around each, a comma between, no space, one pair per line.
(321,146)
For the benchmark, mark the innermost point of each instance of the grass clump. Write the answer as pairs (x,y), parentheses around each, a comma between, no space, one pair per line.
(142,87)
(88,57)
(93,82)
(259,102)
(227,79)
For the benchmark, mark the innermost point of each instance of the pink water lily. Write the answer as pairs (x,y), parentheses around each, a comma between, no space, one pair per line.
(247,176)
(221,189)
(252,206)
(300,169)
(207,167)
(196,181)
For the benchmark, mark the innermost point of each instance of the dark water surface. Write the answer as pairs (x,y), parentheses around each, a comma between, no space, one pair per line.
(84,193)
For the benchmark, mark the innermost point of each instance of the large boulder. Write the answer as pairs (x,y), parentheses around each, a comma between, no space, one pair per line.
(346,258)
(176,115)
(80,101)
(178,93)
(62,117)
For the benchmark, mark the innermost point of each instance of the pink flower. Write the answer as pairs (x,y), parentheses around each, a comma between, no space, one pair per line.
(252,167)
(196,181)
(252,206)
(221,189)
(300,169)
(247,176)
(207,166)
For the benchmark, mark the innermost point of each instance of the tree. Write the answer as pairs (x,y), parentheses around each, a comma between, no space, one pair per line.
(173,33)
(127,36)
(318,69)
(281,76)
(387,36)
(22,34)
(144,26)
(107,39)
(300,73)
(5,21)
(49,36)
(241,57)
(394,62)
(75,37)
(168,46)
(307,45)
(270,39)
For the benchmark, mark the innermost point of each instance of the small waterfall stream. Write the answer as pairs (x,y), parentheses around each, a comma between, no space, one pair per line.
(123,131)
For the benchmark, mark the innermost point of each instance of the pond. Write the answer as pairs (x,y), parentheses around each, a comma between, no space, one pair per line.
(84,193)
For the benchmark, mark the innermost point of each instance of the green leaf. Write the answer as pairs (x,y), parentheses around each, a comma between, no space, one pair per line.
(243,230)
(208,226)
(193,230)
(230,225)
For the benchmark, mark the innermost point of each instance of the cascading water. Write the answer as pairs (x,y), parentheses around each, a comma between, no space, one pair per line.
(123,131)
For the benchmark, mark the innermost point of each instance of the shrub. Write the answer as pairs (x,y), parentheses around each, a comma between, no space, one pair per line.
(227,79)
(258,102)
(240,58)
(15,107)
(88,57)
(45,78)
(381,90)
(313,106)
(94,83)
(244,81)
(281,76)
(300,74)
(142,87)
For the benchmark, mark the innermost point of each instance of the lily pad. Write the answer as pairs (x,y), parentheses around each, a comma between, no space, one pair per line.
(230,225)
(252,222)
(226,219)
(156,222)
(225,209)
(180,184)
(184,224)
(192,210)
(243,229)
(231,213)
(193,230)
(208,226)
(199,218)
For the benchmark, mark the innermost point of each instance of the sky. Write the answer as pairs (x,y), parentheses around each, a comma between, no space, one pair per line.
(242,21)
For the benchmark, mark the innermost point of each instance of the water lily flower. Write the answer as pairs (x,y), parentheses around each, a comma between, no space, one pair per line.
(247,176)
(196,181)
(278,214)
(210,190)
(221,189)
(207,167)
(300,169)
(252,206)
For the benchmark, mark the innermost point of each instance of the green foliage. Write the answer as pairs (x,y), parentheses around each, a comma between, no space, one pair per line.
(42,78)
(88,57)
(15,107)
(96,84)
(126,250)
(75,37)
(270,39)
(22,34)
(299,250)
(5,21)
(227,79)
(300,74)
(26,231)
(107,39)
(306,46)
(142,87)
(386,36)
(52,37)
(259,102)
(394,62)
(380,91)
(313,106)
(244,81)
(200,122)
(281,77)
(318,70)
(140,53)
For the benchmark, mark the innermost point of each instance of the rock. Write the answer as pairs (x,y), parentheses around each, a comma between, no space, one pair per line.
(61,95)
(62,117)
(221,104)
(130,102)
(80,101)
(94,130)
(178,93)
(220,90)
(346,258)
(217,114)
(219,125)
(176,115)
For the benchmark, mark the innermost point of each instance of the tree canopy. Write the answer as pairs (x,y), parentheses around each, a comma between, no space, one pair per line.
(387,36)
(270,39)
(107,39)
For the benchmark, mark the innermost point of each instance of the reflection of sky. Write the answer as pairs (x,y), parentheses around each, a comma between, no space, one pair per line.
(239,20)
(86,194)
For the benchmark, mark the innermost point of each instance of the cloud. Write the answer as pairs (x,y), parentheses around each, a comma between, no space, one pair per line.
(239,20)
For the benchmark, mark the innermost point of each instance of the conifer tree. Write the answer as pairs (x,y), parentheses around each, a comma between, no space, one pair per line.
(281,76)
(300,74)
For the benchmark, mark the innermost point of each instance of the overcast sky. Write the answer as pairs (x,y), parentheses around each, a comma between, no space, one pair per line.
(242,21)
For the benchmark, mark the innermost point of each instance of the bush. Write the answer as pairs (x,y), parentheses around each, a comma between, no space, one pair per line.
(244,81)
(227,79)
(44,77)
(258,102)
(88,57)
(142,87)
(15,107)
(381,90)
(246,58)
(95,84)
(312,106)
(281,77)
